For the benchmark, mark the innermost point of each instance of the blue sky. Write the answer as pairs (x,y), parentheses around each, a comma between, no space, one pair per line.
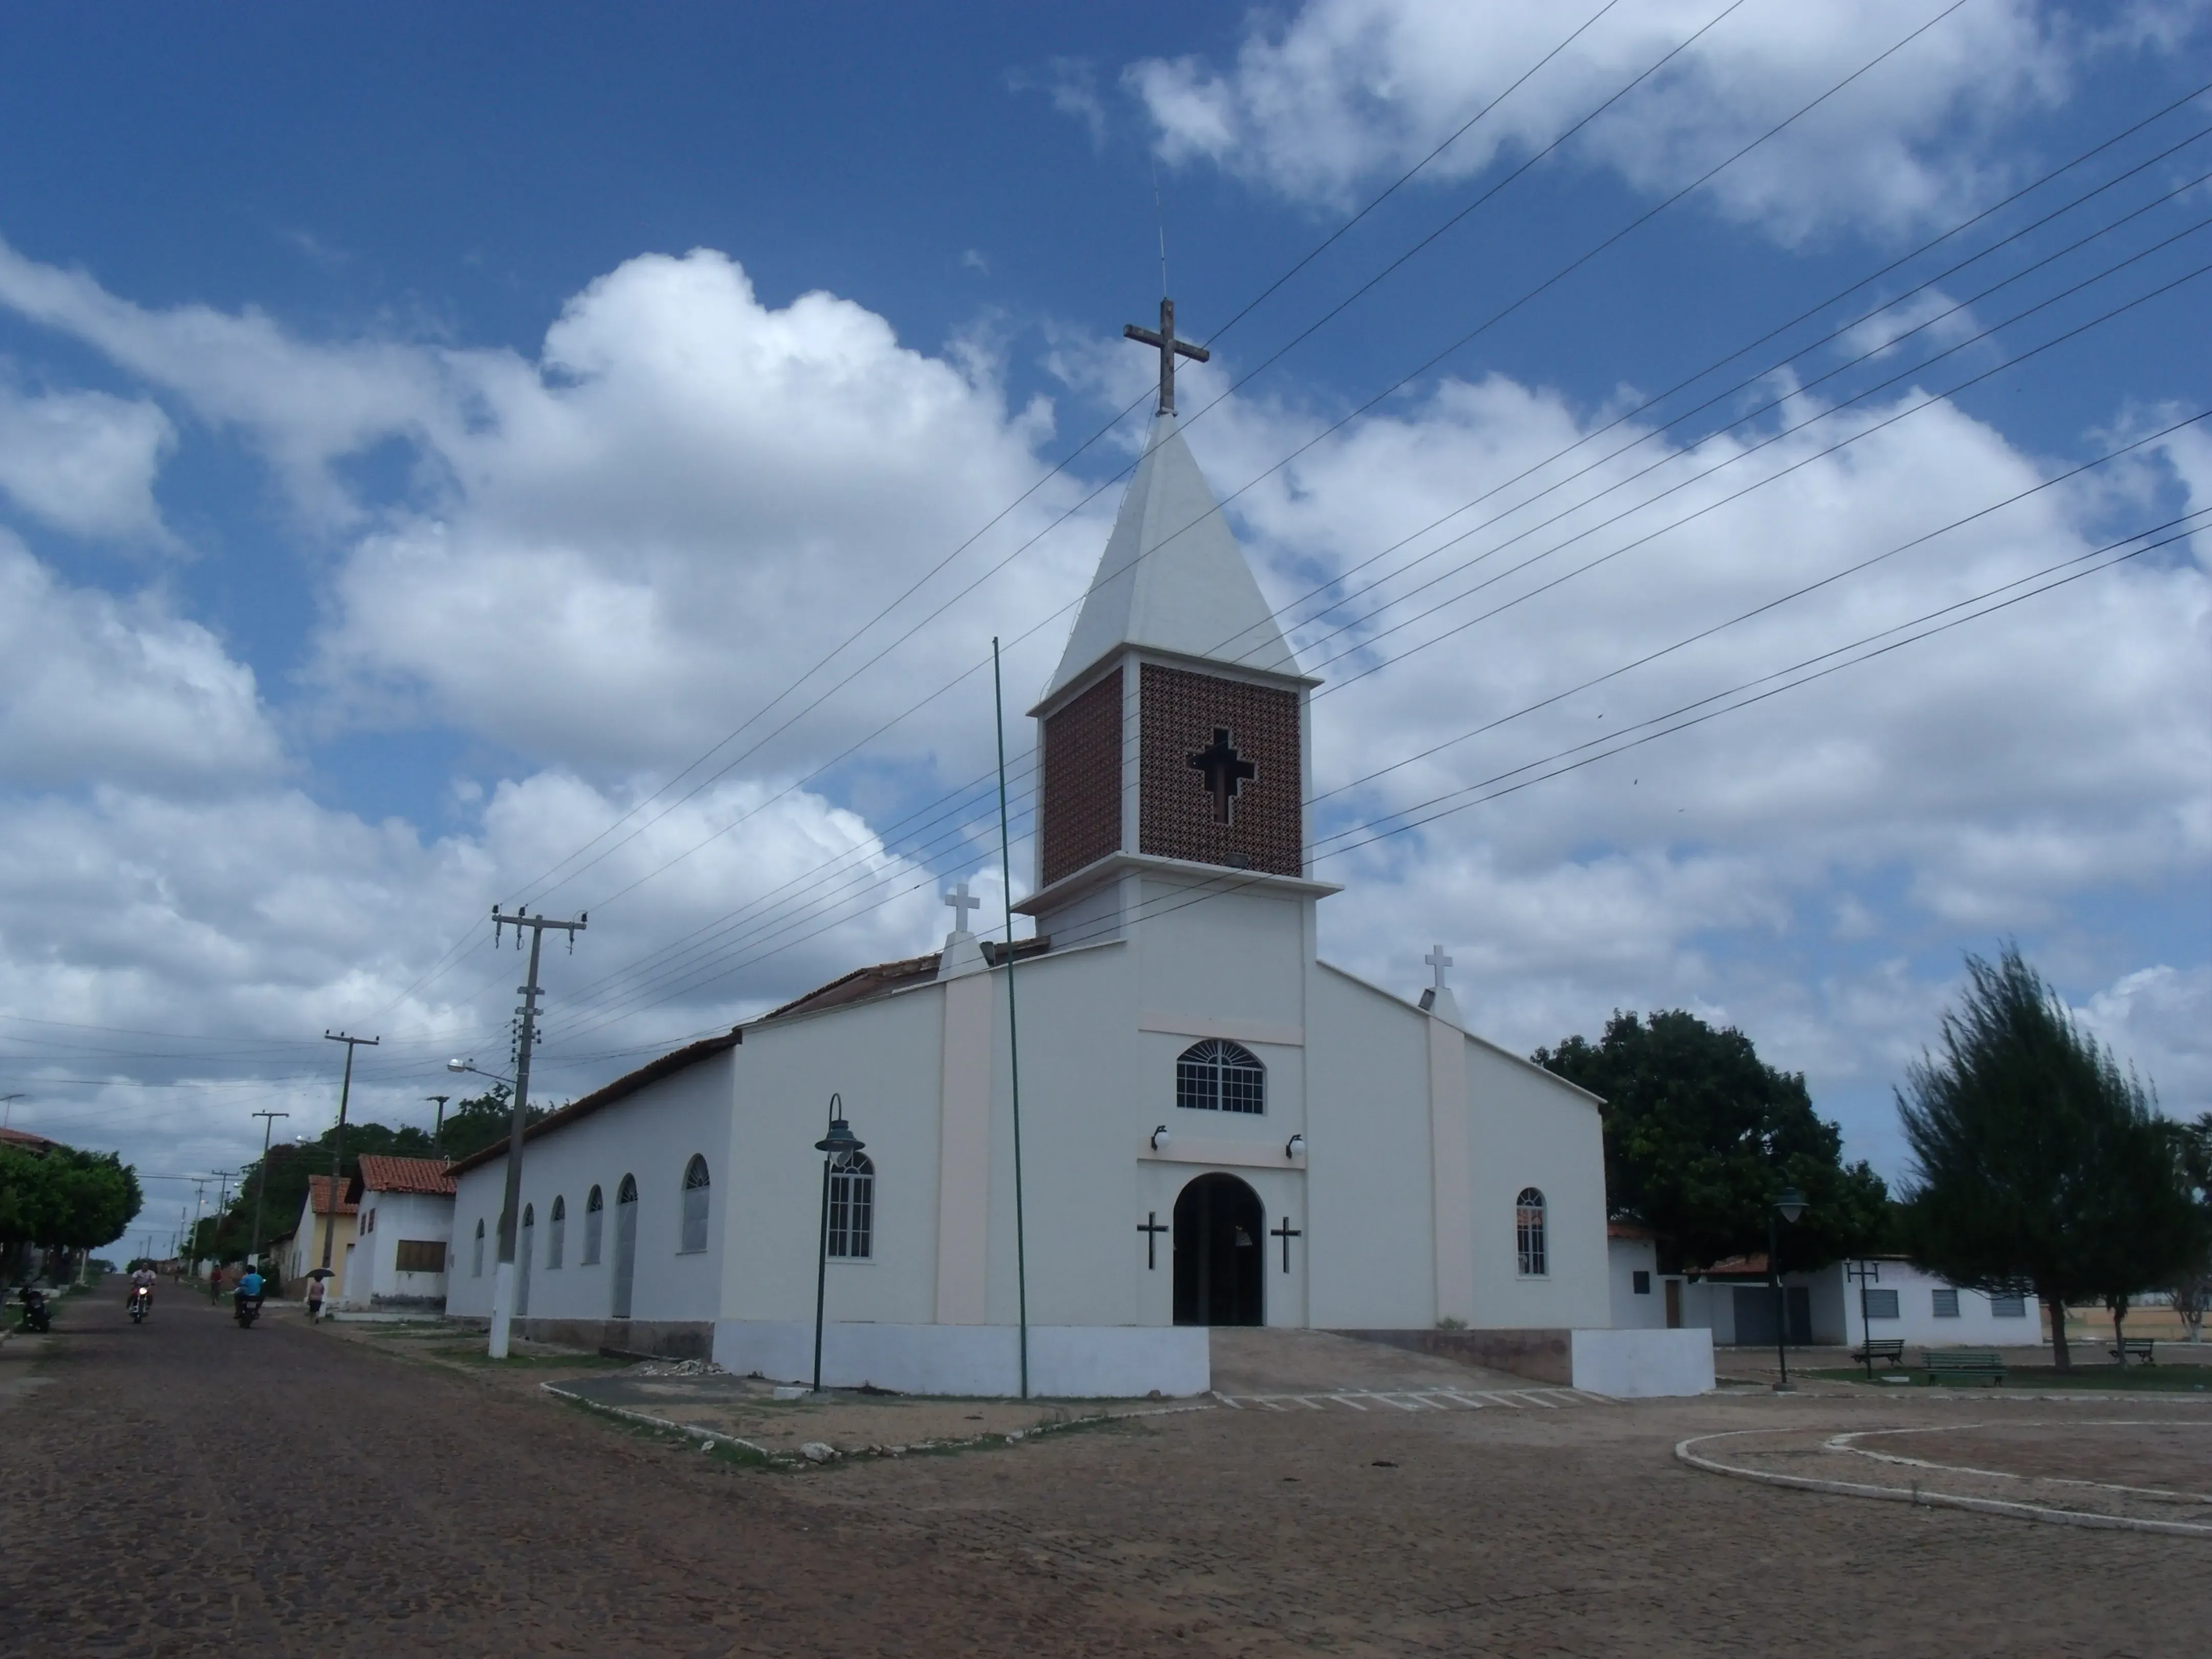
(422,434)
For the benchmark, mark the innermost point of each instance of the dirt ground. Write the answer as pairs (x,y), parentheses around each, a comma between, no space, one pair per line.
(188,1488)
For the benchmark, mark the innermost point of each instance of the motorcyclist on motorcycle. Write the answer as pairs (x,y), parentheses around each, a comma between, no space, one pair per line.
(249,1290)
(142,1284)
(35,1318)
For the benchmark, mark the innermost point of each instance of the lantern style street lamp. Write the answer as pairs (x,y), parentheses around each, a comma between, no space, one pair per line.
(839,1143)
(1789,1206)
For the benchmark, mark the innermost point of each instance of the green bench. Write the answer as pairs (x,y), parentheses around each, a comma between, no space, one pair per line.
(1965,1362)
(2135,1351)
(1890,1348)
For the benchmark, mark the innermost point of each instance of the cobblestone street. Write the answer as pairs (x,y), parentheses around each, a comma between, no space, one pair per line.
(189,1489)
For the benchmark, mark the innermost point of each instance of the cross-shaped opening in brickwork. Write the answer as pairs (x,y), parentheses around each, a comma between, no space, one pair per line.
(1226,771)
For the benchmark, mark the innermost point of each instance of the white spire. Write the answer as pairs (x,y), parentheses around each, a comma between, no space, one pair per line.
(1173,577)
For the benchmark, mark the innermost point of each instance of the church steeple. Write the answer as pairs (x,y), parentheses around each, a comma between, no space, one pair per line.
(1173,577)
(1173,732)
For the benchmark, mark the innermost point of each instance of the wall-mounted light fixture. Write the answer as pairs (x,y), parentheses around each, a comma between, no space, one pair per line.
(1160,1138)
(1294,1146)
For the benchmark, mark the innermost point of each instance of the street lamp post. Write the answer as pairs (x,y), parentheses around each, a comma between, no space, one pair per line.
(840,1142)
(1789,1206)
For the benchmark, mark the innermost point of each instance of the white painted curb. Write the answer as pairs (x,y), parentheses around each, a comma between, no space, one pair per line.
(1929,1500)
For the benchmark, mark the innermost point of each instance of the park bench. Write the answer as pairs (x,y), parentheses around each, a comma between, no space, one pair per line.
(2135,1350)
(1891,1348)
(1965,1362)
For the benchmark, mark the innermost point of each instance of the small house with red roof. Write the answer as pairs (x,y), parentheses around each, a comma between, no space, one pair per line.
(328,1212)
(405,1214)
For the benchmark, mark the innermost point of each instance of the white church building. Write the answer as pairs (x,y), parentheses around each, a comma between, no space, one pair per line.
(1216,1127)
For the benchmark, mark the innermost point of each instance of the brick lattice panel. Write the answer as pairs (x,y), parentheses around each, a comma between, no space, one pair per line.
(1081,820)
(1175,813)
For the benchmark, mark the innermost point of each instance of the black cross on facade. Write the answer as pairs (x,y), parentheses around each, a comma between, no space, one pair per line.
(1286,1233)
(1151,1229)
(1171,349)
(1226,771)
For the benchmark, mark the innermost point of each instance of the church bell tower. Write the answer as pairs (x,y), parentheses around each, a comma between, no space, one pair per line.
(1173,737)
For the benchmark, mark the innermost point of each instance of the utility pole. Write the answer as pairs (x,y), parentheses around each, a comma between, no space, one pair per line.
(222,1204)
(337,1143)
(261,1184)
(7,1120)
(438,1134)
(199,1197)
(502,1288)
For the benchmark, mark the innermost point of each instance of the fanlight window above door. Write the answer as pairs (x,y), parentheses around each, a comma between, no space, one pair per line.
(1214,1076)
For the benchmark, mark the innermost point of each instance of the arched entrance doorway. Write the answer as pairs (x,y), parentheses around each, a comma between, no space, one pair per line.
(1218,1262)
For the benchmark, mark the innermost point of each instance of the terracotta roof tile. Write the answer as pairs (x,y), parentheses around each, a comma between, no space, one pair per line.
(383,1174)
(319,1188)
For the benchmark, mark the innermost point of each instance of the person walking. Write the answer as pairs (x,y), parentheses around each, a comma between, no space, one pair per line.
(314,1299)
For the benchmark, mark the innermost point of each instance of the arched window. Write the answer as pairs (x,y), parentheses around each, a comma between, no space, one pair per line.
(1220,1076)
(1529,1232)
(694,1237)
(851,1207)
(595,1215)
(627,1193)
(556,1230)
(475,1262)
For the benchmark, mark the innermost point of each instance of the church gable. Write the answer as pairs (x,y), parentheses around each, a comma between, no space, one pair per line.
(1220,772)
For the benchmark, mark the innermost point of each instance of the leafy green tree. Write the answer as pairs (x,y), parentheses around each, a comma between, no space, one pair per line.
(1701,1136)
(2037,1160)
(63,1198)
(2192,1286)
(479,1121)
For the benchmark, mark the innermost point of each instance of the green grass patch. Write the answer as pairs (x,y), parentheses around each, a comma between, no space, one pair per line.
(2144,1379)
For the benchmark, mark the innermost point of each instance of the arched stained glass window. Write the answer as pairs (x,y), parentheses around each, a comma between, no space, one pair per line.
(556,1230)
(476,1260)
(695,1206)
(1214,1076)
(595,1212)
(1528,1233)
(851,1207)
(627,1193)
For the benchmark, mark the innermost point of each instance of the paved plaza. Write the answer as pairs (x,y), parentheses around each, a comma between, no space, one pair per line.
(188,1489)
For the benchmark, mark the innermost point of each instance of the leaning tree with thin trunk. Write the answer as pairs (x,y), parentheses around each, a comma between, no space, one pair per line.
(2038,1161)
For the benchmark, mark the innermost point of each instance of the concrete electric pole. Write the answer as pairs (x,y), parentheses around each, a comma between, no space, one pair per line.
(502,1288)
(337,1145)
(261,1182)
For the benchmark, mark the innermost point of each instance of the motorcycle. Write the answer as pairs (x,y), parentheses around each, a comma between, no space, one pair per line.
(35,1316)
(248,1310)
(142,1302)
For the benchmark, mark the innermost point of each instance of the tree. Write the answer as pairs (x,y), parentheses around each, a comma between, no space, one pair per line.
(63,1198)
(2191,1288)
(2037,1160)
(1701,1136)
(481,1119)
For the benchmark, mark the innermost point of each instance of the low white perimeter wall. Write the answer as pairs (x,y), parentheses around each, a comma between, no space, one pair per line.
(1067,1362)
(1643,1364)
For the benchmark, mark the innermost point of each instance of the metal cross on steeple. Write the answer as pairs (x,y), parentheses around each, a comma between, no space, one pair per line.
(1171,349)
(961,903)
(1438,960)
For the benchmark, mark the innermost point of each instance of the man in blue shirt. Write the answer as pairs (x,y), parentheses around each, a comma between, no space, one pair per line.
(249,1287)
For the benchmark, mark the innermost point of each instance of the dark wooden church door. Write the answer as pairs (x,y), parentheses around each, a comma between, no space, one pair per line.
(1219,1263)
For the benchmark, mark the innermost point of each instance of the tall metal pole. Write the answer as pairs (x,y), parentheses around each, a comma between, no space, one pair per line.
(1013,1028)
(821,1253)
(261,1182)
(337,1147)
(502,1286)
(1781,1306)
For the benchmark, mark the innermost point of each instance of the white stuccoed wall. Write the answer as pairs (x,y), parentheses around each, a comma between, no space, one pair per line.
(399,1215)
(651,1134)
(1643,1364)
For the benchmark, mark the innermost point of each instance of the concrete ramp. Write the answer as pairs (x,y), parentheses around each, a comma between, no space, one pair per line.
(1253,1361)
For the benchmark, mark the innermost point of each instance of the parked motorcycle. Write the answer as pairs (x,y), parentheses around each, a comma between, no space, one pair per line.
(142,1302)
(248,1310)
(35,1316)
